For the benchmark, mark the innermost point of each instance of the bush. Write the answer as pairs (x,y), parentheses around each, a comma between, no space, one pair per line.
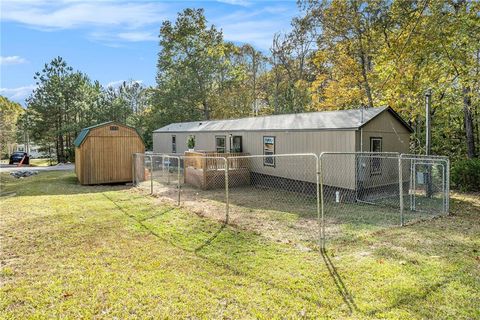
(466,175)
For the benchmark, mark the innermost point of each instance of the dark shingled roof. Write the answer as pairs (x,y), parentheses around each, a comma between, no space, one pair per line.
(325,120)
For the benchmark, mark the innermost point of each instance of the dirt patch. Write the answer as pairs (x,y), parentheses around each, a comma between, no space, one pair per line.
(280,216)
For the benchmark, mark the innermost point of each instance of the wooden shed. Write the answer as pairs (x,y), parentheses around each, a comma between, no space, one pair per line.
(103,153)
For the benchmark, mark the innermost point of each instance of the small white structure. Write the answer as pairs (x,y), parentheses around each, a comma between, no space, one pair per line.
(33,150)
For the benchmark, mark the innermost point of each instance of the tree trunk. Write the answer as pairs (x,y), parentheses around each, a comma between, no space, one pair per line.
(206,111)
(468,122)
(61,145)
(366,84)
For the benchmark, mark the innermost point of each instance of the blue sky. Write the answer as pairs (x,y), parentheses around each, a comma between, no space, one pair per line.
(113,41)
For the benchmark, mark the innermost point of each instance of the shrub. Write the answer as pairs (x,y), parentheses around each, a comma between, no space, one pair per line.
(466,175)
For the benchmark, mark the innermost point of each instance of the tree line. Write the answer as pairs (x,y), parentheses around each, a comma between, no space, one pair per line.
(338,55)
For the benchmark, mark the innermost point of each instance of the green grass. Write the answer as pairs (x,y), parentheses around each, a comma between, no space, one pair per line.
(106,251)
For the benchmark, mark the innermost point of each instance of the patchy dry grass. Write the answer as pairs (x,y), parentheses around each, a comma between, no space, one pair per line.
(101,252)
(289,217)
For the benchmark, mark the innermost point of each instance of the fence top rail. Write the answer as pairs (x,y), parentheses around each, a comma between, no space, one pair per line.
(360,153)
(430,163)
(383,155)
(213,154)
(279,155)
(423,156)
(164,154)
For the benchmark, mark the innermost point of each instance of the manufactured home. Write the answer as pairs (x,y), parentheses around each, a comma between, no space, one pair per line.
(103,153)
(355,130)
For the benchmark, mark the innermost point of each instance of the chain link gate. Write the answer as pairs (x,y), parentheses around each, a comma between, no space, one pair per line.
(160,174)
(362,192)
(428,188)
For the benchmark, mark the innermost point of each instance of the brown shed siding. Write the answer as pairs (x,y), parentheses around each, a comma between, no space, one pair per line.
(105,156)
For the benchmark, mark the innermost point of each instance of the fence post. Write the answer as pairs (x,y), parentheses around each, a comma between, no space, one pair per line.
(163,169)
(227,196)
(411,184)
(322,203)
(447,189)
(400,188)
(134,171)
(168,170)
(178,179)
(151,174)
(319,214)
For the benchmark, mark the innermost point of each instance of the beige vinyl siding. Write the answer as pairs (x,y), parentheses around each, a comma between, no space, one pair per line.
(395,138)
(285,143)
(341,170)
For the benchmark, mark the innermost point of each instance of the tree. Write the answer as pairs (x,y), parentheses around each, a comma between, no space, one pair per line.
(194,68)
(379,52)
(347,46)
(60,106)
(10,113)
(291,66)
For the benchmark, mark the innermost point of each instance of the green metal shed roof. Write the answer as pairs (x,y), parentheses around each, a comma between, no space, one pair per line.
(84,133)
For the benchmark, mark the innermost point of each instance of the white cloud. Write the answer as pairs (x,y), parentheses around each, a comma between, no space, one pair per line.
(256,27)
(8,60)
(17,94)
(115,39)
(242,3)
(68,15)
(138,36)
(118,83)
(116,22)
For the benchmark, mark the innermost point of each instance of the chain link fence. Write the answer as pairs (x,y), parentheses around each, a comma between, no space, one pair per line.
(427,192)
(276,196)
(300,198)
(364,192)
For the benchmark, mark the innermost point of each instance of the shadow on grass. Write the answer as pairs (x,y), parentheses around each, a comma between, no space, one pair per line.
(212,238)
(47,183)
(337,279)
(212,260)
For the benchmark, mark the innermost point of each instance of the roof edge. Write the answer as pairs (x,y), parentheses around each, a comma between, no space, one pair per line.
(85,131)
(395,114)
(264,116)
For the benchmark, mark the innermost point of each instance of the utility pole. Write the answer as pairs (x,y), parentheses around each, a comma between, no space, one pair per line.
(428,141)
(428,123)
(28,136)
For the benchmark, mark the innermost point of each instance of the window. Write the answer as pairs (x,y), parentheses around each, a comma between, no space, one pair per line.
(237,144)
(220,144)
(269,149)
(191,142)
(20,149)
(375,162)
(113,128)
(174,144)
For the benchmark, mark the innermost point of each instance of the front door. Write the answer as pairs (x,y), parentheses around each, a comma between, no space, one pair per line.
(237,144)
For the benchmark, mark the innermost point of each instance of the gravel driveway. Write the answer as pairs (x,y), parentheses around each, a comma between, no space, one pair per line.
(59,167)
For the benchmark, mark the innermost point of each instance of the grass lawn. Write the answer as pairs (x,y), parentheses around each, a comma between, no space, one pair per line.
(108,251)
